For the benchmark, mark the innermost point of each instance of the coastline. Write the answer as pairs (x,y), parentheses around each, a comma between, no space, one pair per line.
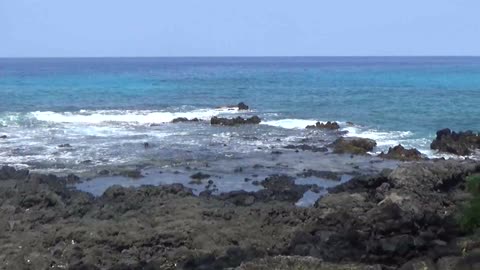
(278,207)
(382,221)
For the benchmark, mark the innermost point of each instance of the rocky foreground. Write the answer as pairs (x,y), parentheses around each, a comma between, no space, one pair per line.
(399,219)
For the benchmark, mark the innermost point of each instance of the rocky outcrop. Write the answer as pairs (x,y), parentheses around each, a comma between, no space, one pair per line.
(401,153)
(461,143)
(353,145)
(242,106)
(184,120)
(234,121)
(390,218)
(327,125)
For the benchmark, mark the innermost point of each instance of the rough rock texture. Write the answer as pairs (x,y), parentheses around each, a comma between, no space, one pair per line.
(301,263)
(234,121)
(327,125)
(184,119)
(399,218)
(390,218)
(401,153)
(461,143)
(353,145)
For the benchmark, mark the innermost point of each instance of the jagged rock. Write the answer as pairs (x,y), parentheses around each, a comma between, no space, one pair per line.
(234,121)
(353,145)
(401,153)
(242,106)
(461,143)
(327,125)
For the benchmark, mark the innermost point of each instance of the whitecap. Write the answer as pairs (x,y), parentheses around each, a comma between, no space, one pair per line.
(290,123)
(127,116)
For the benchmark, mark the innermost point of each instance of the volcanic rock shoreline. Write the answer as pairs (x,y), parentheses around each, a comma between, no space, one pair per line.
(397,219)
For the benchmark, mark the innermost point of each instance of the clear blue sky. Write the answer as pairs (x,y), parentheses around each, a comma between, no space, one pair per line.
(238,28)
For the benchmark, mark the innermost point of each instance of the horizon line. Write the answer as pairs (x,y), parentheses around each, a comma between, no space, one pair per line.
(227,56)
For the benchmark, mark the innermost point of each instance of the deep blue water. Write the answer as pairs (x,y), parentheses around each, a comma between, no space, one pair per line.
(398,99)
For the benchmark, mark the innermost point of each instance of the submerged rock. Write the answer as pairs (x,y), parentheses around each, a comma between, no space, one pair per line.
(401,153)
(234,121)
(132,173)
(306,147)
(200,176)
(353,145)
(461,143)
(321,174)
(327,125)
(184,119)
(65,145)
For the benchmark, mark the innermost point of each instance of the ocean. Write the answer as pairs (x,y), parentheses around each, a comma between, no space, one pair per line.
(107,108)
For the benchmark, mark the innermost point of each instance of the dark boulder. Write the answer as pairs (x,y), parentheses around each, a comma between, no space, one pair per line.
(327,125)
(200,176)
(242,106)
(401,153)
(461,143)
(353,145)
(3,136)
(184,119)
(234,121)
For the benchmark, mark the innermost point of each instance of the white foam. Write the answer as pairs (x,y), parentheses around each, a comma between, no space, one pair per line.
(383,138)
(290,123)
(119,116)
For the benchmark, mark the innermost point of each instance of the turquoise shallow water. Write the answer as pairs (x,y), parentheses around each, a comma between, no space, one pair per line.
(96,102)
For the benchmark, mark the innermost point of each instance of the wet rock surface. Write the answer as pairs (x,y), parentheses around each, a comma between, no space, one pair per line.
(401,153)
(327,125)
(306,147)
(353,145)
(398,219)
(234,121)
(461,143)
